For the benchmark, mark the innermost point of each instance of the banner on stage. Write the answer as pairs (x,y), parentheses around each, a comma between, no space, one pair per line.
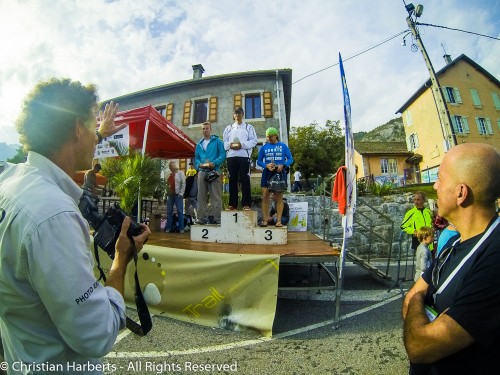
(230,291)
(298,217)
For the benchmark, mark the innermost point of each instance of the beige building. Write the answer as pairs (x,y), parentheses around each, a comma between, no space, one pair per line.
(473,102)
(383,162)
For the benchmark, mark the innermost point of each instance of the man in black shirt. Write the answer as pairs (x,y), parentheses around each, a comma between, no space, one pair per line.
(452,313)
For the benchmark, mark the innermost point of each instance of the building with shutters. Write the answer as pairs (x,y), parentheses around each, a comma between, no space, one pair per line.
(376,162)
(265,96)
(472,97)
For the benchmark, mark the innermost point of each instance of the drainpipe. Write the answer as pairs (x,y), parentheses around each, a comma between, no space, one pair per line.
(279,104)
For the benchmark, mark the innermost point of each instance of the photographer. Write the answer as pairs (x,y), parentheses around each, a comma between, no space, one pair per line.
(53,310)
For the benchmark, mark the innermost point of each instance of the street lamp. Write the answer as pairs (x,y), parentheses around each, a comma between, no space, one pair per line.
(444,116)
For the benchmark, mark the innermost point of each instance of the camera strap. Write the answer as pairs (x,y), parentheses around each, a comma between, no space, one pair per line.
(142,308)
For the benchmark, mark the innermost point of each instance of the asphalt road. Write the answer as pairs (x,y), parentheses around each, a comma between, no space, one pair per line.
(368,339)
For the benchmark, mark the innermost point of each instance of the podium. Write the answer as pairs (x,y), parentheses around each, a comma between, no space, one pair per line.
(239,227)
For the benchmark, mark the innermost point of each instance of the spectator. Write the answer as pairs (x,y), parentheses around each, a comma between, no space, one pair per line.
(416,218)
(285,216)
(423,257)
(209,156)
(176,187)
(239,140)
(191,171)
(90,180)
(448,234)
(452,313)
(53,310)
(225,183)
(297,186)
(191,197)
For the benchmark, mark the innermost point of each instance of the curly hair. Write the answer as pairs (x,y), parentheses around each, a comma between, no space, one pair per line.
(49,113)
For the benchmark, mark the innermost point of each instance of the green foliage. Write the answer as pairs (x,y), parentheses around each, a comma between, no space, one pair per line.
(381,189)
(427,189)
(19,157)
(317,150)
(361,187)
(128,175)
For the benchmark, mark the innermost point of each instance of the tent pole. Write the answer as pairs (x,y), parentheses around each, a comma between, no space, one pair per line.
(139,201)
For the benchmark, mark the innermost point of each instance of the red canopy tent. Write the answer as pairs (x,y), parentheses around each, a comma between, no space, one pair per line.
(155,135)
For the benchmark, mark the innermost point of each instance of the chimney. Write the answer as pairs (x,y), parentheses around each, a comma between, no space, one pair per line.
(447,59)
(198,71)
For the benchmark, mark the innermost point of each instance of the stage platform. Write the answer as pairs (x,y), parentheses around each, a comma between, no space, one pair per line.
(302,248)
(301,245)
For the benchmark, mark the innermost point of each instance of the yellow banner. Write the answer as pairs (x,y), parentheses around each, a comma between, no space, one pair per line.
(230,291)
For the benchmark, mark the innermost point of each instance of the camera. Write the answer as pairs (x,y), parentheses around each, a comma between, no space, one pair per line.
(107,228)
(212,175)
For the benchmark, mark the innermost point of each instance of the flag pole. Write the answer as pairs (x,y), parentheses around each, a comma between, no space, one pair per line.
(350,192)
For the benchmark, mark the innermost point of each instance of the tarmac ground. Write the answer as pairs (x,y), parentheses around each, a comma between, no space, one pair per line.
(306,340)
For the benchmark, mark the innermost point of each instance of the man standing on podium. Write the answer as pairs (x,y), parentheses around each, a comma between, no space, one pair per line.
(239,140)
(209,156)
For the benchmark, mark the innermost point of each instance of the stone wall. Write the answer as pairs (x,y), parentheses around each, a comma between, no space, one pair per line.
(376,222)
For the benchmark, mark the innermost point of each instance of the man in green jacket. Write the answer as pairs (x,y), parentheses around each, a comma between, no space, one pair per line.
(416,218)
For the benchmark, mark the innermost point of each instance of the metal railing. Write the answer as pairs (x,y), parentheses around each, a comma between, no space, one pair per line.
(405,261)
(325,214)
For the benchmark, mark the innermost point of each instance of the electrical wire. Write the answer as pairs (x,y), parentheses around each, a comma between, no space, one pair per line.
(451,28)
(353,56)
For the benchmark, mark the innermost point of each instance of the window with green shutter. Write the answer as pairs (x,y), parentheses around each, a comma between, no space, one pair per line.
(475,98)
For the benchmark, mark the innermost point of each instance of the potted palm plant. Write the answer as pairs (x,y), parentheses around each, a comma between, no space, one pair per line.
(131,175)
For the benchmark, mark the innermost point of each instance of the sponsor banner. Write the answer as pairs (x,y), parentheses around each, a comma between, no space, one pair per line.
(298,217)
(230,291)
(114,145)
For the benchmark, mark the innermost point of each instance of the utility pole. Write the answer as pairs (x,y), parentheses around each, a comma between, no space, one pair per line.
(444,116)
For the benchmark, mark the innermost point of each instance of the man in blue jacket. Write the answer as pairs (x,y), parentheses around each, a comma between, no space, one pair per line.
(209,156)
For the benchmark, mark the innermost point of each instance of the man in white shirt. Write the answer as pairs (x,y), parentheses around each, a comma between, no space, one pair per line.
(297,186)
(239,140)
(54,315)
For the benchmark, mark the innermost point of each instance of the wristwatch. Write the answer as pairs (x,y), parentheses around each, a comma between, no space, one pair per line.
(99,137)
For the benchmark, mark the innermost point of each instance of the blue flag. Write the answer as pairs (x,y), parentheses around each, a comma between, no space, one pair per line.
(348,219)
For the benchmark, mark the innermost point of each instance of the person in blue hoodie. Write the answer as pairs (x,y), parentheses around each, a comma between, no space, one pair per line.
(274,157)
(209,156)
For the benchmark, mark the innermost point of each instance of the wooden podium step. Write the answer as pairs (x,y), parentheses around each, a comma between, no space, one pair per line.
(239,227)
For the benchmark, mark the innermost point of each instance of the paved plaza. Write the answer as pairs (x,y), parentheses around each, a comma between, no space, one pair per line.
(368,339)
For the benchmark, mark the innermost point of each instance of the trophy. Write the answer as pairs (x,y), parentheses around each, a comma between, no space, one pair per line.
(235,144)
(206,164)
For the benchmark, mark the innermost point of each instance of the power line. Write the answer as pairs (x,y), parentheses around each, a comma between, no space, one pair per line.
(451,28)
(353,56)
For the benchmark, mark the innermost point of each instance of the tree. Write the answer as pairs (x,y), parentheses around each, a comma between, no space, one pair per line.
(128,174)
(19,157)
(317,150)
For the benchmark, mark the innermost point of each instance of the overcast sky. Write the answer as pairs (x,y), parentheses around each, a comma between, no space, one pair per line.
(131,45)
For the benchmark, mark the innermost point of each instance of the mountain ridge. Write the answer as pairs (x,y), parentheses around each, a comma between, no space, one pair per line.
(391,131)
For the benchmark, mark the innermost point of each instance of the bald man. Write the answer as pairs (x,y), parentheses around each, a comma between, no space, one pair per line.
(452,313)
